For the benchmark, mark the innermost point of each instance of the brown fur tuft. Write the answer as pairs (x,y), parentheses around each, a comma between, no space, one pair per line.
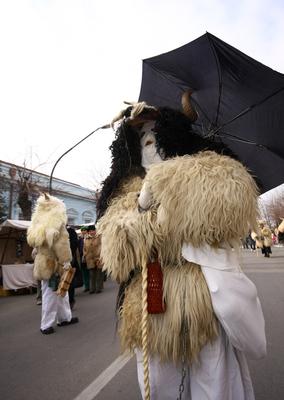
(165,330)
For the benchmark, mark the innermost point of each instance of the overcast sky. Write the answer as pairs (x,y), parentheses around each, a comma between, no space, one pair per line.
(68,65)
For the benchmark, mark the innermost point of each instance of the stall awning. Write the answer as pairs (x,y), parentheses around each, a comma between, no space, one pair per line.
(16,224)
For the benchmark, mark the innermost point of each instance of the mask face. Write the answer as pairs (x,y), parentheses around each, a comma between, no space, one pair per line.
(149,154)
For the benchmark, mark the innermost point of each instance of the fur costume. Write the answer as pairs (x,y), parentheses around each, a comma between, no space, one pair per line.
(267,236)
(281,227)
(194,201)
(280,232)
(48,234)
(263,236)
(220,211)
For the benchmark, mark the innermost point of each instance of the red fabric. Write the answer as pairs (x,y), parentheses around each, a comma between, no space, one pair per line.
(156,304)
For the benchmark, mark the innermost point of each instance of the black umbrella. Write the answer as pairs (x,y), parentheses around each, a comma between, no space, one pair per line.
(237,99)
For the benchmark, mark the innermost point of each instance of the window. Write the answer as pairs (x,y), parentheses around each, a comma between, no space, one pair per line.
(87,217)
(72,216)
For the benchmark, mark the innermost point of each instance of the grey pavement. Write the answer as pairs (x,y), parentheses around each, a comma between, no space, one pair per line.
(62,365)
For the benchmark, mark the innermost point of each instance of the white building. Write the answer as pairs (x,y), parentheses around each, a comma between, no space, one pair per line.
(80,202)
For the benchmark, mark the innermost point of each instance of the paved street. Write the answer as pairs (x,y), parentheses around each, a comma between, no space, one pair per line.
(83,359)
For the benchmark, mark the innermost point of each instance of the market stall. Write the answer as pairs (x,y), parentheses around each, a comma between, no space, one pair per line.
(18,276)
(15,256)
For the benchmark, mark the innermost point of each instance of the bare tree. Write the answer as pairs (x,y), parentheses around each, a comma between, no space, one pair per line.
(4,187)
(27,186)
(276,209)
(264,211)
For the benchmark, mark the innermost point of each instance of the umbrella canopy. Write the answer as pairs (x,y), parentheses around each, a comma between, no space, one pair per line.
(237,99)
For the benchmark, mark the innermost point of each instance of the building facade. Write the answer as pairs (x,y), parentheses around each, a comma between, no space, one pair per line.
(20,188)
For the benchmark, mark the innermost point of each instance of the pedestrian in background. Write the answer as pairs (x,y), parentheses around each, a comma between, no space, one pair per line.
(91,254)
(266,238)
(99,274)
(77,279)
(84,269)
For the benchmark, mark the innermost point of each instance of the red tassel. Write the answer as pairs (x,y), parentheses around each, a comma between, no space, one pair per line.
(156,303)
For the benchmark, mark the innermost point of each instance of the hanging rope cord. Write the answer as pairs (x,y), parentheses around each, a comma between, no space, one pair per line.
(68,151)
(144,329)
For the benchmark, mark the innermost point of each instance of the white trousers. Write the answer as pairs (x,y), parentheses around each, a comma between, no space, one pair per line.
(55,309)
(220,374)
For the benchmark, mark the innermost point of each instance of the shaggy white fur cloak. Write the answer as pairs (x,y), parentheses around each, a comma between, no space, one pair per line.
(201,199)
(204,198)
(48,234)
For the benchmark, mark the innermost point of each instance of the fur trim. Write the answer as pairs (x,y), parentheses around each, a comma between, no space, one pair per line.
(165,330)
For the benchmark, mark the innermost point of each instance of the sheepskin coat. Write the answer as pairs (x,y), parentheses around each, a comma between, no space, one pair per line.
(262,237)
(48,235)
(92,250)
(267,236)
(201,199)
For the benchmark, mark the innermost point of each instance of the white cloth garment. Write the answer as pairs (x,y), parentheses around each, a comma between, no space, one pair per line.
(234,297)
(222,372)
(55,309)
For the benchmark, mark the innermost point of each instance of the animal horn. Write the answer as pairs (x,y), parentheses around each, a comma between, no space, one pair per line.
(187,107)
(46,196)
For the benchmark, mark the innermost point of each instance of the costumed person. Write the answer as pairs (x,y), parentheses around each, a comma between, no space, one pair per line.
(183,300)
(49,237)
(280,232)
(266,239)
(91,255)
